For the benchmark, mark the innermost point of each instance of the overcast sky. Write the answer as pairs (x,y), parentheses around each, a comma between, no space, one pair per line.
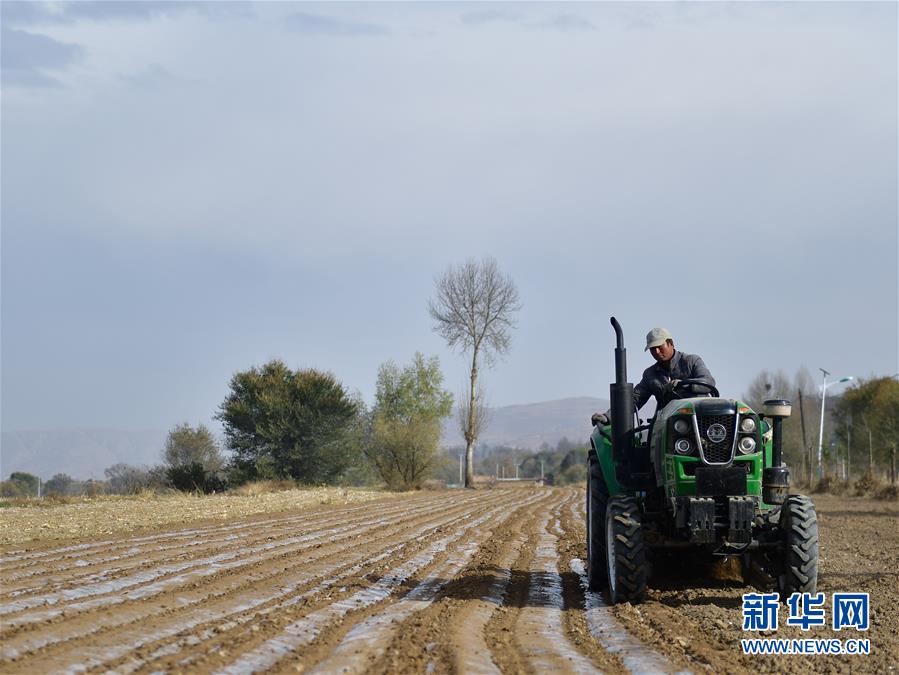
(192,189)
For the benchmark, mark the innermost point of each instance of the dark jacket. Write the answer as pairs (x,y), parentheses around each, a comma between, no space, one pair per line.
(681,367)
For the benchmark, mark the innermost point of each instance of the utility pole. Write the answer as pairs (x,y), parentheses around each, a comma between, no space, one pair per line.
(805,446)
(821,429)
(849,449)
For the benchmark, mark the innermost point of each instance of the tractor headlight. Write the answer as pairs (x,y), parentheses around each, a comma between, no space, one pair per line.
(747,424)
(681,426)
(747,444)
(682,446)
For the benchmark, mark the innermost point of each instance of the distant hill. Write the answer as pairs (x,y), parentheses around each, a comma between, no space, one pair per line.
(531,424)
(85,453)
(80,453)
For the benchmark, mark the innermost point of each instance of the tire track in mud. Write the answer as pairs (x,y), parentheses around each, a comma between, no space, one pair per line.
(602,625)
(539,630)
(482,604)
(448,635)
(510,593)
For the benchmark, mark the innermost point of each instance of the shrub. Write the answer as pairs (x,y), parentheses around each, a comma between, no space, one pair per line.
(828,484)
(888,492)
(194,477)
(11,488)
(433,484)
(123,479)
(866,485)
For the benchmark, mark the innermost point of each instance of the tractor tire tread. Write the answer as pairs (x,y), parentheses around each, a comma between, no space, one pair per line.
(598,496)
(631,554)
(800,525)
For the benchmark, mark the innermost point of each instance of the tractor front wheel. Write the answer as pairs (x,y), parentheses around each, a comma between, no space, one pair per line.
(799,553)
(597,498)
(625,551)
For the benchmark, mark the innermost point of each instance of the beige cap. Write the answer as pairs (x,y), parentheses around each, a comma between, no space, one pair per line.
(656,337)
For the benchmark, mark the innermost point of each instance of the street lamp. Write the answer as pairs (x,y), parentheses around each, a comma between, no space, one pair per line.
(824,387)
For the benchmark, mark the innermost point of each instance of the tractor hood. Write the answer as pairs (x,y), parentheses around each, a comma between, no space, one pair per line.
(703,406)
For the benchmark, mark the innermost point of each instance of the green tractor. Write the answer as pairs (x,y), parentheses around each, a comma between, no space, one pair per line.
(704,477)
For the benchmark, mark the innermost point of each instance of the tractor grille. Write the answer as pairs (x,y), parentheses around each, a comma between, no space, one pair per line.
(717,453)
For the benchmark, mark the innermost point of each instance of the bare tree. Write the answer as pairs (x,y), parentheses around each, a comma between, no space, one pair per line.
(474,419)
(474,311)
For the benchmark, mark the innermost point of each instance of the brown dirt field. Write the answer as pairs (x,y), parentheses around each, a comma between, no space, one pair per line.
(445,582)
(98,516)
(700,625)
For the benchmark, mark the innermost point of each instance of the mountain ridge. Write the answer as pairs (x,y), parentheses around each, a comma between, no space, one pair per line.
(85,453)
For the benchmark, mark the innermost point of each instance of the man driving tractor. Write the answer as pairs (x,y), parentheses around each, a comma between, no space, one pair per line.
(664,377)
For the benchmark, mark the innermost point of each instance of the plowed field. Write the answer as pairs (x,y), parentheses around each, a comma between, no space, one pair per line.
(475,581)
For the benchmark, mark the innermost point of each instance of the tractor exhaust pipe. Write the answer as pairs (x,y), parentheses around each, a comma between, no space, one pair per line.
(621,398)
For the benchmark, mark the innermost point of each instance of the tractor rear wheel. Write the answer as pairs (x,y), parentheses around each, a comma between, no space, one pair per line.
(799,552)
(597,498)
(625,551)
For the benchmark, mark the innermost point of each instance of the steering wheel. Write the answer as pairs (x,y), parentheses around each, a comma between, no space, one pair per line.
(678,393)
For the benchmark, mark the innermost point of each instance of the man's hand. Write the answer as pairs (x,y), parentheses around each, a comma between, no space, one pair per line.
(599,418)
(671,385)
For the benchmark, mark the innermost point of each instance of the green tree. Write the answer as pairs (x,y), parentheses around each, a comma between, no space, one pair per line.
(60,484)
(185,446)
(27,482)
(886,402)
(410,406)
(866,417)
(298,423)
(12,489)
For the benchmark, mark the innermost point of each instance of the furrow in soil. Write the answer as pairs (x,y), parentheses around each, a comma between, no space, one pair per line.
(366,644)
(635,656)
(540,632)
(118,557)
(321,624)
(241,592)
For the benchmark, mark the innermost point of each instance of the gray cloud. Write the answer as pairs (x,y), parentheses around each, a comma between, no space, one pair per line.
(137,217)
(490,16)
(561,22)
(22,13)
(26,57)
(566,22)
(152,76)
(317,24)
(32,13)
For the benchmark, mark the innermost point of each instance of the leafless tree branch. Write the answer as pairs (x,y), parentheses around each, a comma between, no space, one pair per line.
(474,311)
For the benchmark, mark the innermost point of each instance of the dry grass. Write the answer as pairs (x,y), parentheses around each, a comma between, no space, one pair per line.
(97,517)
(260,487)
